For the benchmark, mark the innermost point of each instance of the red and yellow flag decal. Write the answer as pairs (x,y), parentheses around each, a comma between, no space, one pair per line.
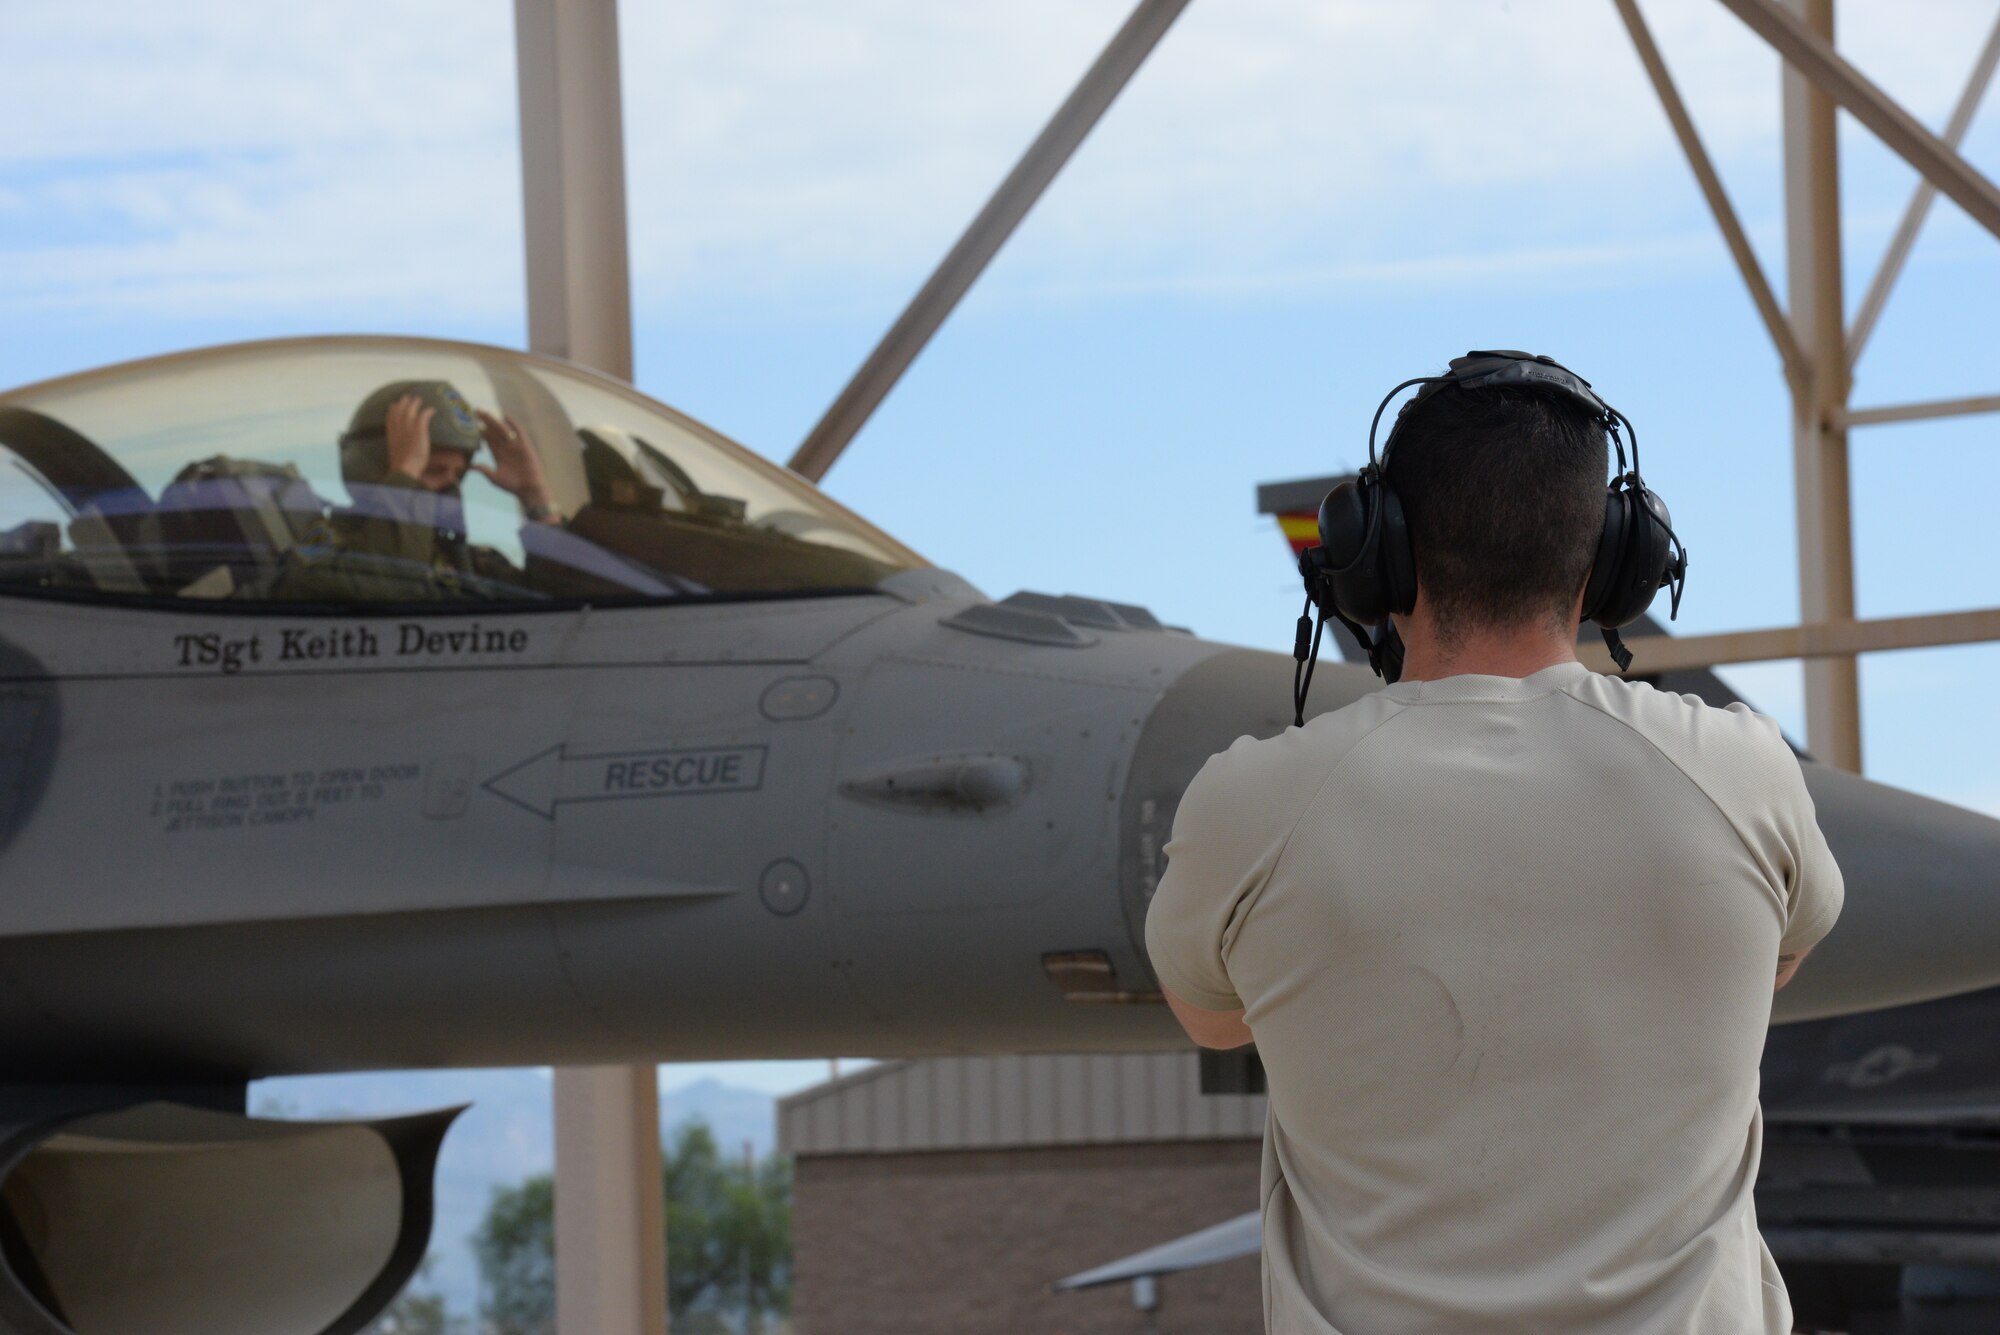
(1301,529)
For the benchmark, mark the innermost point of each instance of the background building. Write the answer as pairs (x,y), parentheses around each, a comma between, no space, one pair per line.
(949,1194)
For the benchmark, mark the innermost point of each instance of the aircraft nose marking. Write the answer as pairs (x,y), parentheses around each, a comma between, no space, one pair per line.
(1882,1066)
(548,779)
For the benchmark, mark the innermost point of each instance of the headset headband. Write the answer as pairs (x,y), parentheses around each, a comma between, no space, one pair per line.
(1638,552)
(1479,369)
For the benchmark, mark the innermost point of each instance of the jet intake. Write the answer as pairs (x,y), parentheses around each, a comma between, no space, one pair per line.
(161,1219)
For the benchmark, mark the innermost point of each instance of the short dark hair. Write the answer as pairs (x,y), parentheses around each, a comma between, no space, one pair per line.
(1503,491)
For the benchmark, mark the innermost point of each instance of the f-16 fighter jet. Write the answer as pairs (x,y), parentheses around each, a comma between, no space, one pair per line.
(380,703)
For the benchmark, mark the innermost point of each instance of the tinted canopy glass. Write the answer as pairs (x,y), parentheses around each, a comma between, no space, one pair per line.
(338,471)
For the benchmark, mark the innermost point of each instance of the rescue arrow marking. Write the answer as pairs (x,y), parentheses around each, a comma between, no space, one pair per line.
(549,778)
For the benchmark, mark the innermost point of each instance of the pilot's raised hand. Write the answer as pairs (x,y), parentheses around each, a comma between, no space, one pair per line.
(408,436)
(516,468)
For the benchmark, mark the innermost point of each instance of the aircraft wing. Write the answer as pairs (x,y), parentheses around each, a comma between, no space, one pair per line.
(1226,1241)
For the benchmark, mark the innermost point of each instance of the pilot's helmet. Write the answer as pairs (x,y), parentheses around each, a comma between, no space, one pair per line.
(364,447)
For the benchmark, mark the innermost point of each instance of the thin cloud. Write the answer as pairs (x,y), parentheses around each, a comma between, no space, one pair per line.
(1584,265)
(207,159)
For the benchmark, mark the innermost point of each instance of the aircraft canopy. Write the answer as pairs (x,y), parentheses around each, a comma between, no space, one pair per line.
(262,472)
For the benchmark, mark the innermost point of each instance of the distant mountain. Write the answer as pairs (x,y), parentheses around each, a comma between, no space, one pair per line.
(506,1135)
(738,1116)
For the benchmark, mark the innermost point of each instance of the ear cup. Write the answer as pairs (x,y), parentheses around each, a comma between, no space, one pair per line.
(1348,551)
(1343,524)
(1397,554)
(1370,567)
(1632,557)
(1610,548)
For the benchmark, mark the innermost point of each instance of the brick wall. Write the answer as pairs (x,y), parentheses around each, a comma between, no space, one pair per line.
(968,1242)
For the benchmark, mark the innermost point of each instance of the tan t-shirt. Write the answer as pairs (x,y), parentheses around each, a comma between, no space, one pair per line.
(1507,947)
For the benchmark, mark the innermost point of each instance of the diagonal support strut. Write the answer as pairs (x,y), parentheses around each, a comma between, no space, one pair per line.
(1891,266)
(1718,199)
(1816,60)
(941,292)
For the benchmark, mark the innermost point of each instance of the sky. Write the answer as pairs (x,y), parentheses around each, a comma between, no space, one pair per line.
(1296,204)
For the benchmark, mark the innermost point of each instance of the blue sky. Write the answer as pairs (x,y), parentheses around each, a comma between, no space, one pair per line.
(1297,203)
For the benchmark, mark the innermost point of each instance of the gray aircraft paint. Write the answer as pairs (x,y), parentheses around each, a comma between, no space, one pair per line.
(457,917)
(643,914)
(30,722)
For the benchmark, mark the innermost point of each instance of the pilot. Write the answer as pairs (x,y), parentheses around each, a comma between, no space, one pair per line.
(1504,932)
(423,434)
(404,456)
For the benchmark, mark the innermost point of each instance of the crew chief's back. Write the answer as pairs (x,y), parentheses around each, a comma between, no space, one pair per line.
(1506,941)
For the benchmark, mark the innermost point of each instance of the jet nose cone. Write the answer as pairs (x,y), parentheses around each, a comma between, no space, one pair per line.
(1235,693)
(1922,917)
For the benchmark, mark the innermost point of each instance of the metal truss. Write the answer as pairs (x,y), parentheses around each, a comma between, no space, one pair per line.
(1817,350)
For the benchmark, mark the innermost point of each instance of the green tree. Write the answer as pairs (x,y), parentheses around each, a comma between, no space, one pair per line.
(516,1244)
(418,1312)
(729,1232)
(729,1250)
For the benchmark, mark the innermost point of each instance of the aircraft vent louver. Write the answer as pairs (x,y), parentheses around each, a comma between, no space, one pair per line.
(1097,613)
(1019,623)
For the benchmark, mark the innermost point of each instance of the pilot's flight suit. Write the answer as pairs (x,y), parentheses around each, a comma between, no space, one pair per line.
(399,542)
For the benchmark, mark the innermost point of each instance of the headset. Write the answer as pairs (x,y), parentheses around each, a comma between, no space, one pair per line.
(1365,569)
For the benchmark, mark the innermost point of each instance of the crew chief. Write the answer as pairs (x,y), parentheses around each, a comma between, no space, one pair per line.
(1505,934)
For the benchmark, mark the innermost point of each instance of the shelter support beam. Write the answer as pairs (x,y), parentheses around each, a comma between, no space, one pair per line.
(1916,412)
(573,183)
(1919,208)
(611,1232)
(982,240)
(610,1217)
(1807,48)
(1674,653)
(1711,188)
(1819,406)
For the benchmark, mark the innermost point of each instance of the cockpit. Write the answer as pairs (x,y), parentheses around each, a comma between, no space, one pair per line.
(294,472)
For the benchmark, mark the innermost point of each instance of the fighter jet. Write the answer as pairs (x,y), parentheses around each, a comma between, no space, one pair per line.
(381,703)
